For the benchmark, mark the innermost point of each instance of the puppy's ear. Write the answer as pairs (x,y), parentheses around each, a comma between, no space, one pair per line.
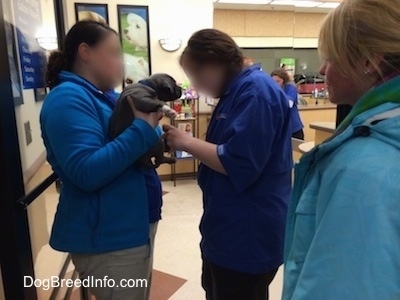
(141,61)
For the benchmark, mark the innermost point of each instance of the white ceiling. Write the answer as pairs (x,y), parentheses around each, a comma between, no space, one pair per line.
(317,6)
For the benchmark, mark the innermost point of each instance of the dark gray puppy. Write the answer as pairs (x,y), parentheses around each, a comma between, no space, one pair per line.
(145,99)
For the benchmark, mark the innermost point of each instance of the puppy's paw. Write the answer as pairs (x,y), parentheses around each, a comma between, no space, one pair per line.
(169,112)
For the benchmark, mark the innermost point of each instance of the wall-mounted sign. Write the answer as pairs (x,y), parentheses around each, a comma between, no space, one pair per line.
(28,20)
(289,64)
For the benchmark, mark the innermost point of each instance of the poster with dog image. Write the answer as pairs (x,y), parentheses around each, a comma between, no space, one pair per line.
(133,22)
(91,12)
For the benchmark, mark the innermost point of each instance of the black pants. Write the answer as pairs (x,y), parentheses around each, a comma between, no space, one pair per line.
(223,284)
(298,134)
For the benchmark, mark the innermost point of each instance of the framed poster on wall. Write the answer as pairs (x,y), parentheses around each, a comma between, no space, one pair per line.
(15,78)
(133,24)
(289,64)
(32,57)
(92,12)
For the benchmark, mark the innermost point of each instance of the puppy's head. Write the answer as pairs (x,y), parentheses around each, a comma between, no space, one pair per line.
(164,85)
(144,99)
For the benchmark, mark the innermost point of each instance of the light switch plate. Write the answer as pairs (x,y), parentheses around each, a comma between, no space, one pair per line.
(28,133)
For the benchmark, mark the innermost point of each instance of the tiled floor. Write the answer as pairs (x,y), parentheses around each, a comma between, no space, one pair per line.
(177,242)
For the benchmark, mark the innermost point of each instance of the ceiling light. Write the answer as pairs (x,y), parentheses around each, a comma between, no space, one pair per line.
(263,2)
(48,43)
(329,5)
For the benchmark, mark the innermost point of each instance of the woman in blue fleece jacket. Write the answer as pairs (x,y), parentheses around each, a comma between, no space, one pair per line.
(102,218)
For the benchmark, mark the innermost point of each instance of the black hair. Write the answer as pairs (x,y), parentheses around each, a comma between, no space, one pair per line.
(88,32)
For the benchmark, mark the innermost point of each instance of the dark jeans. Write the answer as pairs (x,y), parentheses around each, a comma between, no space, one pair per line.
(223,284)
(298,134)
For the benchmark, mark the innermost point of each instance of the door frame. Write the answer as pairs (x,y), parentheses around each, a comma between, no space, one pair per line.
(16,259)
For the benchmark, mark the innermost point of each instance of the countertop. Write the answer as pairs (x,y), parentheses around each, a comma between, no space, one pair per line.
(323,126)
(316,107)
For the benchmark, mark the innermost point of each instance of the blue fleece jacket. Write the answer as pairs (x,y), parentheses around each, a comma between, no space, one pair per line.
(245,211)
(103,201)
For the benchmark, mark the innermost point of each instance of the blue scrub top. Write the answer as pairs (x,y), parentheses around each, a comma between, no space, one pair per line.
(244,212)
(292,94)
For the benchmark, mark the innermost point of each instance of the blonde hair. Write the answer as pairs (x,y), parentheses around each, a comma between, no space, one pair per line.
(360,31)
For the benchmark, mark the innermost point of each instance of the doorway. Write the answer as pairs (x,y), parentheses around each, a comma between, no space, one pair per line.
(28,31)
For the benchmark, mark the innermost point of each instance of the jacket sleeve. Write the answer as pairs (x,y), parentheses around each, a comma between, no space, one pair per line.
(291,93)
(355,251)
(73,129)
(250,137)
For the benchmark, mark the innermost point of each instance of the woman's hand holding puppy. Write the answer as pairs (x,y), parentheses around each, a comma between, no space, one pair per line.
(152,118)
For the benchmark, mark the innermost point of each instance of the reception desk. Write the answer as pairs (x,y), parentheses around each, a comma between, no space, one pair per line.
(323,131)
(315,113)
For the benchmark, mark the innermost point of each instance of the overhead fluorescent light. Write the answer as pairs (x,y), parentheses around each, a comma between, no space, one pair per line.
(329,5)
(256,2)
(307,3)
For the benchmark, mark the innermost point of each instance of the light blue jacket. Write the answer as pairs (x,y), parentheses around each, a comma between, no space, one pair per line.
(343,230)
(103,202)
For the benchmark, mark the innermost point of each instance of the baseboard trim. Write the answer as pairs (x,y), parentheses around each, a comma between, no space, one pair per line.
(31,171)
(168,177)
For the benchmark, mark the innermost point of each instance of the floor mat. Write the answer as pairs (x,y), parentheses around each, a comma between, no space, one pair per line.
(162,288)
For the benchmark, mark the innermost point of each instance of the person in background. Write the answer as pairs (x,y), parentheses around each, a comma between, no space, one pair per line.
(342,239)
(245,171)
(102,217)
(282,78)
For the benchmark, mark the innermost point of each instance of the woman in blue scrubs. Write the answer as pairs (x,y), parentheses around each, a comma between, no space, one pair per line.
(245,171)
(282,78)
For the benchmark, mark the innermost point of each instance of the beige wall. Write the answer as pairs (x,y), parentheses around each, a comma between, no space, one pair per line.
(307,25)
(270,28)
(250,23)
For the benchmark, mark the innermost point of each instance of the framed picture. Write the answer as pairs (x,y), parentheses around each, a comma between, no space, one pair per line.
(40,94)
(92,12)
(15,76)
(133,23)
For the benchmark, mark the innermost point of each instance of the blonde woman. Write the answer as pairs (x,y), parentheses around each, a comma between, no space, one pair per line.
(343,231)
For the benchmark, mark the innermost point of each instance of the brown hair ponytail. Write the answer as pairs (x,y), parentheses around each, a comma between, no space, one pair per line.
(56,64)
